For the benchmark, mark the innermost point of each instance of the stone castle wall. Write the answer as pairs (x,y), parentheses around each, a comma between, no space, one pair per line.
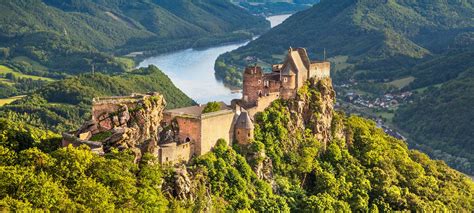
(190,131)
(243,136)
(253,83)
(215,126)
(263,103)
(173,152)
(320,70)
(70,139)
(102,108)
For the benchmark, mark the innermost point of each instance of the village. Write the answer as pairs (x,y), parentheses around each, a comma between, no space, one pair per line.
(378,107)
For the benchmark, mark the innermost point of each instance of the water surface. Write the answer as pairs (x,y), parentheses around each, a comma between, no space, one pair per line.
(192,70)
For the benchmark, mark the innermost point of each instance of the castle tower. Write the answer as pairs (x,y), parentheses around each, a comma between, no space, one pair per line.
(252,84)
(244,129)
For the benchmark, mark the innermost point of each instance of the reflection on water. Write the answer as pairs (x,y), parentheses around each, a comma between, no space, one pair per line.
(193,70)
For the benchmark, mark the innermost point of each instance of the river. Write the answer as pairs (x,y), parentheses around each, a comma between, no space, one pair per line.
(192,70)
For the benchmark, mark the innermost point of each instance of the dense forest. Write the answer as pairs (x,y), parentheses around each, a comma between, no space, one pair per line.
(64,105)
(369,171)
(73,36)
(439,120)
(383,42)
(377,36)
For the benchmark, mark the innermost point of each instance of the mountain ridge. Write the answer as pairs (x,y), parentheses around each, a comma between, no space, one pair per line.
(93,32)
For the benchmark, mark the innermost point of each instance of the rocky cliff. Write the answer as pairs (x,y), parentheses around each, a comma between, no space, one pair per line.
(125,123)
(309,118)
(314,109)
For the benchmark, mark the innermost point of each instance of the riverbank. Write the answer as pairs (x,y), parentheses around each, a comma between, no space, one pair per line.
(192,69)
(140,52)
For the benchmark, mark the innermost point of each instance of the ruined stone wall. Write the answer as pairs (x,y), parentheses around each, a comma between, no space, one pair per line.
(133,121)
(304,56)
(174,153)
(252,84)
(263,103)
(101,112)
(271,86)
(70,139)
(215,126)
(288,81)
(301,78)
(190,131)
(320,70)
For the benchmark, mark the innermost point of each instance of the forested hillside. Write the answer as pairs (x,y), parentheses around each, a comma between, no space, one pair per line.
(377,36)
(363,170)
(73,36)
(64,105)
(387,47)
(439,119)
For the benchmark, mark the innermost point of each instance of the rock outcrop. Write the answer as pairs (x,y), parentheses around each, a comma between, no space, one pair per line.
(131,122)
(313,109)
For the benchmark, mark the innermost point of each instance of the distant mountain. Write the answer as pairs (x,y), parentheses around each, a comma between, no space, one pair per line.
(376,35)
(69,36)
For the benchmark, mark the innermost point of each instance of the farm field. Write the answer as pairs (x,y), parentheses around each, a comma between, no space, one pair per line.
(4,101)
(4,70)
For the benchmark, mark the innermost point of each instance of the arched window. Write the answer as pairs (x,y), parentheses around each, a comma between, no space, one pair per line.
(285,79)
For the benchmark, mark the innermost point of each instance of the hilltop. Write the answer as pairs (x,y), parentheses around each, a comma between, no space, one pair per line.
(286,168)
(377,36)
(71,36)
(388,47)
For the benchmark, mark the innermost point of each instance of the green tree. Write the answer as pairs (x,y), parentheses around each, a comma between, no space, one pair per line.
(211,107)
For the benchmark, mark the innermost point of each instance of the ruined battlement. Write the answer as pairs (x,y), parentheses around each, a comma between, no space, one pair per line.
(133,98)
(285,78)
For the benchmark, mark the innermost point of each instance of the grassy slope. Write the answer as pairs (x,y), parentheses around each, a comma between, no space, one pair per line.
(4,101)
(4,70)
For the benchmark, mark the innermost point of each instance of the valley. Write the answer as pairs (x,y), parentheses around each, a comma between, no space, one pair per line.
(236,106)
(192,70)
(381,51)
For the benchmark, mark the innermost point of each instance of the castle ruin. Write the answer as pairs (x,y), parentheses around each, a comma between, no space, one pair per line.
(139,122)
